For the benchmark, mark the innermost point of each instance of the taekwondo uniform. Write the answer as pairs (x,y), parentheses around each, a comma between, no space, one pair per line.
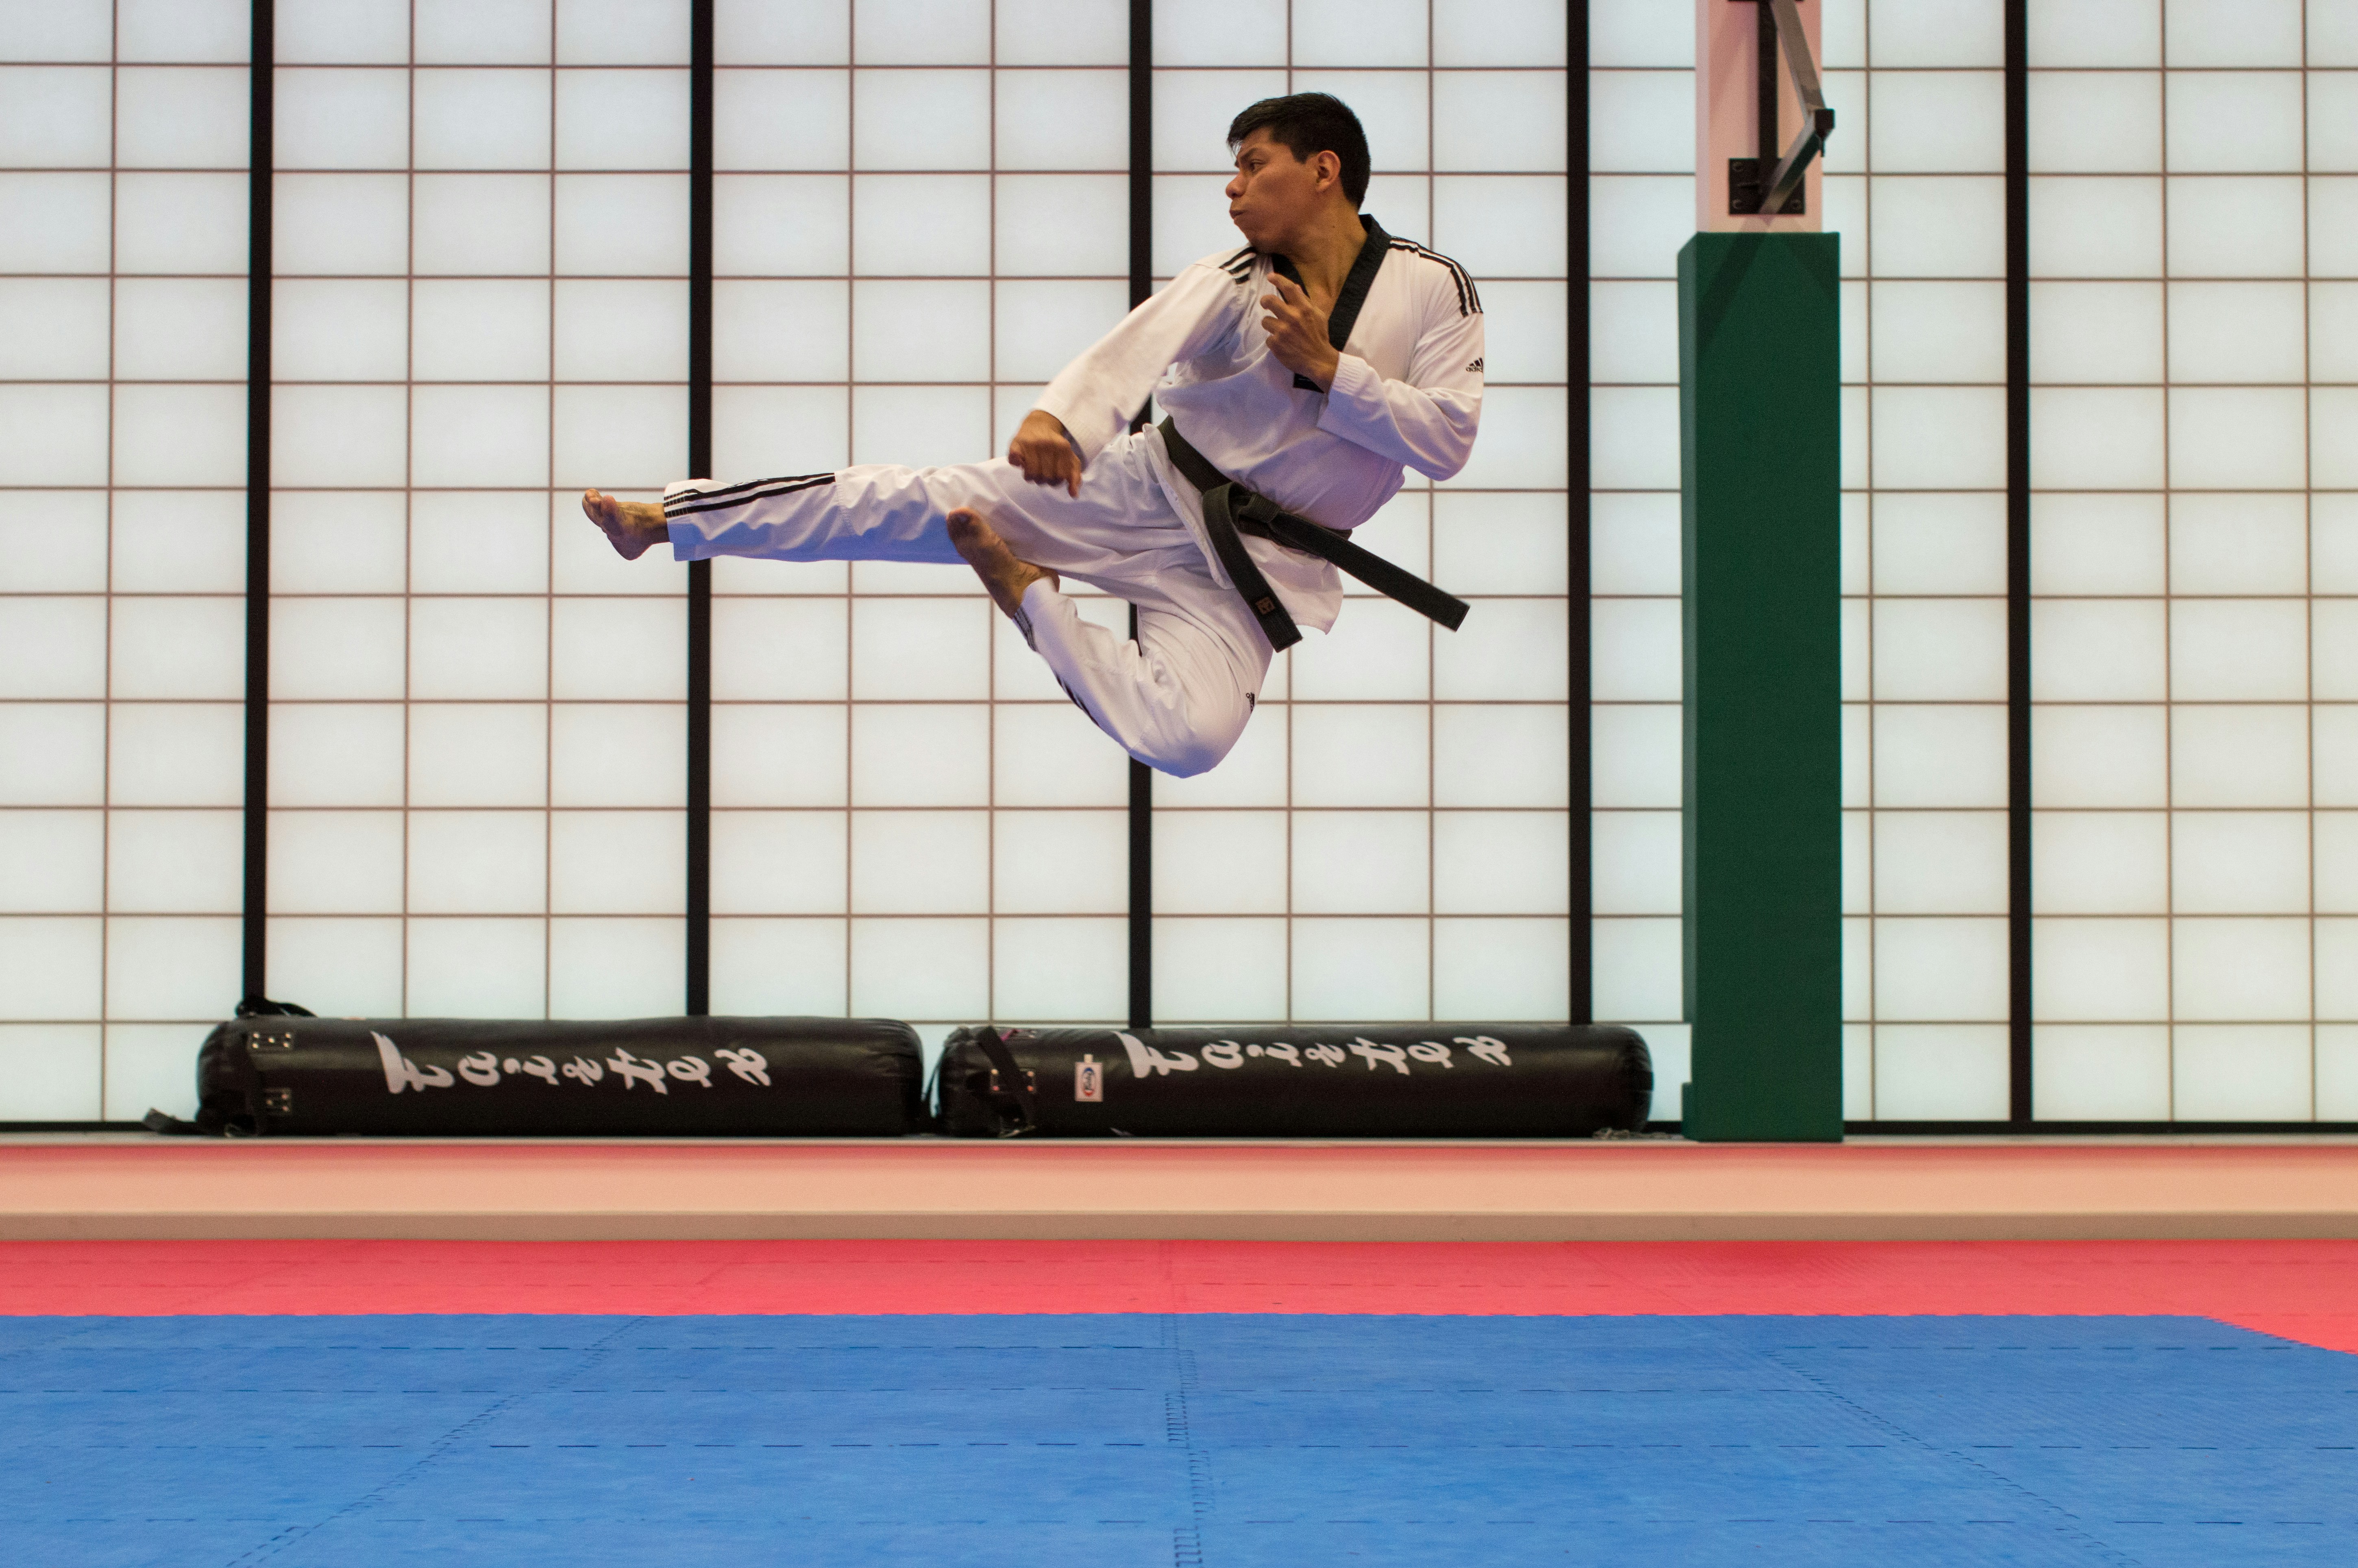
(1407,393)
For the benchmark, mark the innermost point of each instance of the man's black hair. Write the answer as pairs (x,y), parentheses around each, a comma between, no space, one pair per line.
(1308,123)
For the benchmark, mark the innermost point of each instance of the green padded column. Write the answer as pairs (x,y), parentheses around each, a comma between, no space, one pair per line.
(1760,427)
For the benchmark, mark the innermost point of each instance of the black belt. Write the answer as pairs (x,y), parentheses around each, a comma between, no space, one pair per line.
(1229,509)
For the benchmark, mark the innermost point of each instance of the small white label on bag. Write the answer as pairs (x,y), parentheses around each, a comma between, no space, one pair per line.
(1088,1081)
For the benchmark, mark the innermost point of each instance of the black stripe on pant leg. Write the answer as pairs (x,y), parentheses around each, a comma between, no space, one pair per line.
(1581,1001)
(1141,284)
(259,158)
(2018,561)
(697,999)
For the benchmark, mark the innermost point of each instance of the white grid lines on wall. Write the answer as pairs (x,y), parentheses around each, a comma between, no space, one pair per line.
(123,144)
(1388,838)
(479,307)
(2195,236)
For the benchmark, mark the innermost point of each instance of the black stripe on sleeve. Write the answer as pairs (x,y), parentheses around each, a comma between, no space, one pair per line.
(719,501)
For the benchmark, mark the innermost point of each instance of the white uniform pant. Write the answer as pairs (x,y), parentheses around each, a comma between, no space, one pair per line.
(1176,698)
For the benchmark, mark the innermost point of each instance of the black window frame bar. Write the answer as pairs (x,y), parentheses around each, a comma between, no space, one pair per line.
(1581,999)
(697,1000)
(261,165)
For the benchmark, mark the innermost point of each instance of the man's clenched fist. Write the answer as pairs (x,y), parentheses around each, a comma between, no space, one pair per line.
(1044,451)
(1297,332)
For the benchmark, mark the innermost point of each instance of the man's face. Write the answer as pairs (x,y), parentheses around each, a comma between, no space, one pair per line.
(1275,194)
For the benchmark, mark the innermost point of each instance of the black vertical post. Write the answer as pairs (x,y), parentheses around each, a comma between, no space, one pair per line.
(2017,558)
(259,158)
(1583,999)
(1141,284)
(700,464)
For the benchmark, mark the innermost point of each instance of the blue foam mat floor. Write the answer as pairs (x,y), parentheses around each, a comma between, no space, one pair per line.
(1176,1442)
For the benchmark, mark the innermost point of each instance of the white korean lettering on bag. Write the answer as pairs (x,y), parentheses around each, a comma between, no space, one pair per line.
(691,1070)
(482,1069)
(633,1070)
(748,1065)
(1281,1051)
(1490,1050)
(1391,1054)
(1146,1061)
(1431,1051)
(540,1067)
(1332,1056)
(401,1073)
(1224,1054)
(583,1071)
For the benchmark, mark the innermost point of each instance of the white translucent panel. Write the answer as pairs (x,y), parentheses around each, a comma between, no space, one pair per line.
(337,331)
(1639,122)
(60,222)
(59,31)
(2240,862)
(2236,32)
(622,225)
(1361,862)
(175,862)
(485,330)
(54,647)
(1635,754)
(2101,1073)
(340,119)
(1633,652)
(1855,438)
(335,862)
(2096,228)
(179,541)
(1254,773)
(781,226)
(2337,975)
(51,1073)
(2242,1074)
(2096,32)
(1937,332)
(2333,419)
(1934,32)
(1402,529)
(1633,332)
(616,437)
(1514,649)
(1941,970)
(1637,967)
(179,435)
(345,224)
(326,753)
(936,225)
(1940,650)
(1050,754)
(2230,650)
(1634,431)
(780,331)
(53,434)
(1938,122)
(2238,969)
(2235,226)
(1062,32)
(336,436)
(1512,226)
(1943,754)
(460,32)
(2336,870)
(1064,225)
(2335,658)
(1050,863)
(482,119)
(474,754)
(1496,754)
(343,32)
(176,753)
(1636,862)
(1191,222)
(184,329)
(1497,862)
(1620,32)
(904,648)
(1506,970)
(1845,216)
(478,862)
(339,648)
(182,117)
(778,756)
(2085,650)
(778,967)
(52,754)
(347,968)
(1042,327)
(1633,542)
(2097,543)
(1223,863)
(2333,332)
(920,425)
(2236,122)
(2333,141)
(1636,225)
(618,649)
(1063,118)
(1857,862)
(920,754)
(474,224)
(1938,226)
(177,648)
(477,968)
(2101,970)
(55,117)
(1940,1073)
(1512,543)
(2095,122)
(617,754)
(1060,970)
(1356,969)
(1362,755)
(778,862)
(616,862)
(2100,756)
(622,32)
(54,328)
(2101,863)
(2238,438)
(781,429)
(49,967)
(921,32)
(2096,332)
(1376,650)
(2097,438)
(56,861)
(2336,1051)
(1939,544)
(781,119)
(2244,754)
(1193,109)
(920,969)
(921,119)
(621,119)
(614,968)
(1939,437)
(614,329)
(1941,862)
(472,648)
(779,650)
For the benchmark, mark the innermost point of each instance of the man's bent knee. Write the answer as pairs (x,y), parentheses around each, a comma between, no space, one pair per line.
(1184,753)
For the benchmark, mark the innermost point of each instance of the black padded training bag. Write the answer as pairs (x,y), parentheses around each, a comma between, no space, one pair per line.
(648,1076)
(1367,1080)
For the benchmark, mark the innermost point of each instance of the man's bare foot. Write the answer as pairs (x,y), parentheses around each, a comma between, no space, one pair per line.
(633,527)
(993,562)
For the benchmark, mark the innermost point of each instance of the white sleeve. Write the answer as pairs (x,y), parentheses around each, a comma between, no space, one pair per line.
(1099,393)
(1428,421)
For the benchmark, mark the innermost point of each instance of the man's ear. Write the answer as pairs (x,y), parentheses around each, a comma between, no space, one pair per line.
(1327,169)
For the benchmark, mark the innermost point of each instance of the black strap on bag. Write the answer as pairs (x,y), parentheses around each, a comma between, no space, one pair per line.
(1009,1082)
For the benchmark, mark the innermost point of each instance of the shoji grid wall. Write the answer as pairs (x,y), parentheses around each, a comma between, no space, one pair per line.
(123,259)
(1389,840)
(480,306)
(2195,342)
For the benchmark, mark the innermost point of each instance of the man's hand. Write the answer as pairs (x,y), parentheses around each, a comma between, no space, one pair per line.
(1297,332)
(1044,451)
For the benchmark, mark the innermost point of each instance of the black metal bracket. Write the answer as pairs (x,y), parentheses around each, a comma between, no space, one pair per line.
(1773,182)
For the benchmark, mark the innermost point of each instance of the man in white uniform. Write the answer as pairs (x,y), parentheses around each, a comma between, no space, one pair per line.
(1300,374)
